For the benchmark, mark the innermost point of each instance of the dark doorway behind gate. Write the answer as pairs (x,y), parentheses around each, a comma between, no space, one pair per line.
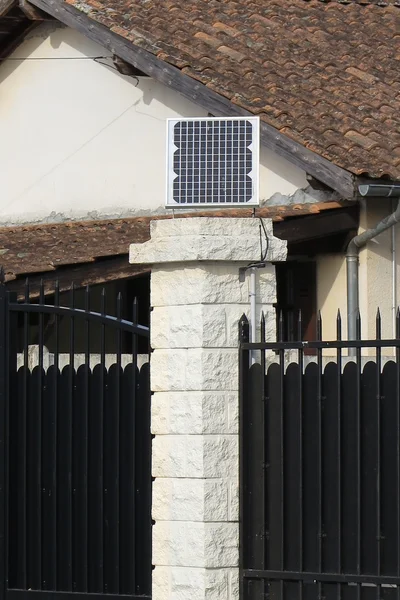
(320,467)
(75,449)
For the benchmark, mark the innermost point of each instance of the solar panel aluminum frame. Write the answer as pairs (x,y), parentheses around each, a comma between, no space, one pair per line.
(254,173)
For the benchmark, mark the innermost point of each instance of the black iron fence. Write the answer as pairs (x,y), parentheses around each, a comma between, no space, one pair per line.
(75,452)
(320,467)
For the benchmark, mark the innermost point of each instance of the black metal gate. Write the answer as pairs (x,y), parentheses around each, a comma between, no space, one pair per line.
(320,468)
(75,450)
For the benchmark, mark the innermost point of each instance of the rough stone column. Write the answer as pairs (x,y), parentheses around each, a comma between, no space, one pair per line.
(197,301)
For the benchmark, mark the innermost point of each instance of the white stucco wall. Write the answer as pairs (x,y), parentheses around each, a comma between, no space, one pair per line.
(331,293)
(83,140)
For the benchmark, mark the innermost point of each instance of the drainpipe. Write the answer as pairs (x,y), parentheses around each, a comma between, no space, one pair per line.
(353,250)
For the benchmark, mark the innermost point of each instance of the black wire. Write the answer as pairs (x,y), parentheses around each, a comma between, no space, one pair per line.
(97,60)
(263,254)
(13,58)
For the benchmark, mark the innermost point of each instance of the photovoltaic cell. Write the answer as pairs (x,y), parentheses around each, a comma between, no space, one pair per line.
(213,162)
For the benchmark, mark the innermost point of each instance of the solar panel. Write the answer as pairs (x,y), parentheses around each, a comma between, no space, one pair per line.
(212,161)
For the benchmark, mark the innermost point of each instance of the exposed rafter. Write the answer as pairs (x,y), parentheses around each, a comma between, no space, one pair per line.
(32,12)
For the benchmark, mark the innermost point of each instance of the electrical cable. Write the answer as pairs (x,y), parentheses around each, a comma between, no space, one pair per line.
(263,254)
(96,59)
(13,58)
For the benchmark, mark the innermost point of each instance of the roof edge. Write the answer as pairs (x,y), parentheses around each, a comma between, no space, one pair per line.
(330,174)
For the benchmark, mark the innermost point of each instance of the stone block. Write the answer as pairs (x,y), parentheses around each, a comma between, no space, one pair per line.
(219,369)
(194,413)
(204,326)
(186,499)
(233,499)
(204,239)
(178,583)
(216,500)
(178,499)
(176,327)
(161,583)
(266,285)
(178,456)
(192,326)
(221,545)
(195,369)
(177,412)
(233,583)
(215,412)
(216,584)
(187,583)
(220,455)
(209,227)
(195,456)
(208,283)
(179,544)
(191,583)
(233,413)
(169,370)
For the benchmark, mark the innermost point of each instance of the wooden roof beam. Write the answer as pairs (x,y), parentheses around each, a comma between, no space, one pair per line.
(318,226)
(98,272)
(32,12)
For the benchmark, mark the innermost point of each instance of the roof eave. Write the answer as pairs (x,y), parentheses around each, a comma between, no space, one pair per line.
(335,177)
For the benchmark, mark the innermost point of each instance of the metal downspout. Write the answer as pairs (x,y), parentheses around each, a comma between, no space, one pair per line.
(352,261)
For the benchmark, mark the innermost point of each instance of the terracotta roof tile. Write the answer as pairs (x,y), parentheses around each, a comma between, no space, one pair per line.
(49,246)
(324,72)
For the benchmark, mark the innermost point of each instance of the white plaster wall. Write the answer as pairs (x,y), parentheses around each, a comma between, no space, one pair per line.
(81,140)
(331,293)
(376,282)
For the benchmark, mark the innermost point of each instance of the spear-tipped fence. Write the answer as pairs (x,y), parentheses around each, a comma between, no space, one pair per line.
(76,446)
(320,466)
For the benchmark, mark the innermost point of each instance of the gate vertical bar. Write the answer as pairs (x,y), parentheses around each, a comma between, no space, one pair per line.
(39,466)
(320,457)
(134,574)
(358,438)
(22,554)
(3,402)
(8,360)
(339,446)
(282,450)
(244,362)
(300,359)
(398,443)
(10,380)
(378,447)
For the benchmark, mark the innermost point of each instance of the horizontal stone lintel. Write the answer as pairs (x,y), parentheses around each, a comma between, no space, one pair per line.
(205,239)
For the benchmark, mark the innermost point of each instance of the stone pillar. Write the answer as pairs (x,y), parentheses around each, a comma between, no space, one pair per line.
(198,299)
